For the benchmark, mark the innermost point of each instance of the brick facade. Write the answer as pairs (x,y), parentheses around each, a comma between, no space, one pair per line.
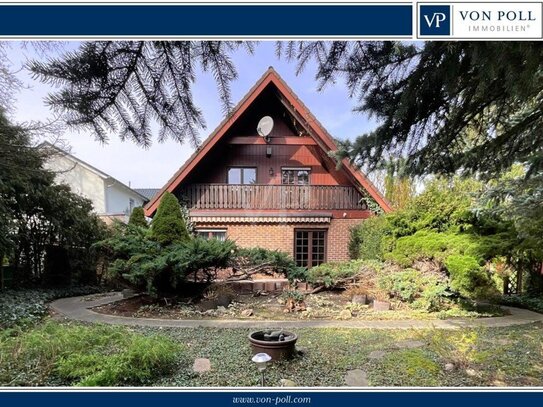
(280,236)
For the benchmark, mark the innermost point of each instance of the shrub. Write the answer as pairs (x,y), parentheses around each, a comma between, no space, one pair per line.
(368,238)
(279,262)
(445,203)
(168,225)
(468,278)
(164,269)
(201,255)
(137,218)
(337,275)
(422,291)
(85,356)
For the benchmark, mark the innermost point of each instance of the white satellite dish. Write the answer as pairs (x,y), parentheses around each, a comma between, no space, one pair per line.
(265,126)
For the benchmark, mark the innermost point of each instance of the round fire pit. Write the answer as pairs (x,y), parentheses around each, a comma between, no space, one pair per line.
(278,344)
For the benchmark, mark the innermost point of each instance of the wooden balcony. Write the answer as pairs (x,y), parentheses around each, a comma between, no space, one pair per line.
(312,197)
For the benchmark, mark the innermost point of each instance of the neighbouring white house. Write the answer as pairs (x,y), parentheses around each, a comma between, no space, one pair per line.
(110,198)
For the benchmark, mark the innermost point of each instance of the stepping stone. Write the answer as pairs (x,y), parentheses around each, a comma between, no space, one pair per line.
(356,378)
(201,365)
(377,354)
(409,344)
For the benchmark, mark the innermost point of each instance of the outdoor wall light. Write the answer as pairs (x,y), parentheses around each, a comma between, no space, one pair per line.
(268,151)
(261,360)
(271,171)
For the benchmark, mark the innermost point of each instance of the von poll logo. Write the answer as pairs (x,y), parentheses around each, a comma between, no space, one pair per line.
(434,20)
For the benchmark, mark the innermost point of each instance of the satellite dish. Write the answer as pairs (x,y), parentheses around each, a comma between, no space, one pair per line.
(265,126)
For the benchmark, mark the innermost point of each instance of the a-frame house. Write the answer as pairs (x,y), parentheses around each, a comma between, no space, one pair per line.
(280,192)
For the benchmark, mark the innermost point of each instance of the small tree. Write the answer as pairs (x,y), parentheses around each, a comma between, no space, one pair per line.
(137,218)
(168,225)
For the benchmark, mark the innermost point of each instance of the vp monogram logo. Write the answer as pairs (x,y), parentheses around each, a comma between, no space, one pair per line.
(434,20)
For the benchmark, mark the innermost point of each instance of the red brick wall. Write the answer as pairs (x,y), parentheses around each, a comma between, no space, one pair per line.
(281,236)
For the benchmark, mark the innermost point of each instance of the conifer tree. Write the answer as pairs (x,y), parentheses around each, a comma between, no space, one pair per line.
(168,225)
(137,218)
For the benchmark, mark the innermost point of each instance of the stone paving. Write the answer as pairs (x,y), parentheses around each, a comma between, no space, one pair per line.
(78,308)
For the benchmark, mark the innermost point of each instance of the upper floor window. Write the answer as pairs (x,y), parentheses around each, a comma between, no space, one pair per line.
(131,204)
(240,175)
(295,176)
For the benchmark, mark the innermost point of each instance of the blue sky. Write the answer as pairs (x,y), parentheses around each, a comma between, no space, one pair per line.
(154,166)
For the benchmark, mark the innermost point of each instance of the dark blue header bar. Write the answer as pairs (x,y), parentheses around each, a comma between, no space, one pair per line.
(206,20)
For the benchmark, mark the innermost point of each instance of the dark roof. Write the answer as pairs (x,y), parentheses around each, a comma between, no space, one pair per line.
(147,192)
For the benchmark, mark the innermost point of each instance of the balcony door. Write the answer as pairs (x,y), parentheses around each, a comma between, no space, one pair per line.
(239,193)
(309,247)
(295,194)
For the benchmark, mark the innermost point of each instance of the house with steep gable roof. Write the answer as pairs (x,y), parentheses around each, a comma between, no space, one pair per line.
(280,191)
(111,199)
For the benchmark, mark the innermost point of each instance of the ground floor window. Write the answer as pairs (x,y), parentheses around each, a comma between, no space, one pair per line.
(309,247)
(219,234)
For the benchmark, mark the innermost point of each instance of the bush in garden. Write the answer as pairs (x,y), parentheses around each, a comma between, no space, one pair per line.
(168,225)
(201,255)
(468,278)
(138,259)
(367,240)
(279,262)
(137,218)
(146,265)
(420,290)
(339,274)
(79,355)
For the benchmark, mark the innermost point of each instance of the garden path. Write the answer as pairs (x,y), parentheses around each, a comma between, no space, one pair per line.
(78,308)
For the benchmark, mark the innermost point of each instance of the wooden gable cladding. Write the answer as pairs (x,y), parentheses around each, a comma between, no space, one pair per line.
(270,96)
(267,104)
(214,168)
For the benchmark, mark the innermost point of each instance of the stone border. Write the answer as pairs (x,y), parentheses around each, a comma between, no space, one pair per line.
(77,308)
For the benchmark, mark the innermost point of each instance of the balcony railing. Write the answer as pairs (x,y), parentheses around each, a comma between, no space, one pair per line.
(312,197)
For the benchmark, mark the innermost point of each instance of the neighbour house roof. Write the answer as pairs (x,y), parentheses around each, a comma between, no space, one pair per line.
(297,108)
(101,174)
(149,193)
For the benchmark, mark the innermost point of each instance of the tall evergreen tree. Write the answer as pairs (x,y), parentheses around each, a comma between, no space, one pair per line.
(137,218)
(476,107)
(168,225)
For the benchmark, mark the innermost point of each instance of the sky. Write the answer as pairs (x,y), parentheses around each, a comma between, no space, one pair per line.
(152,167)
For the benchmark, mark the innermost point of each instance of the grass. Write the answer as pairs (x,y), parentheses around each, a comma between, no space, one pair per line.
(511,356)
(491,357)
(72,354)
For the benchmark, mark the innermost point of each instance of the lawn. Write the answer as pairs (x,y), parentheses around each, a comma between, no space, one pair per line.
(469,357)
